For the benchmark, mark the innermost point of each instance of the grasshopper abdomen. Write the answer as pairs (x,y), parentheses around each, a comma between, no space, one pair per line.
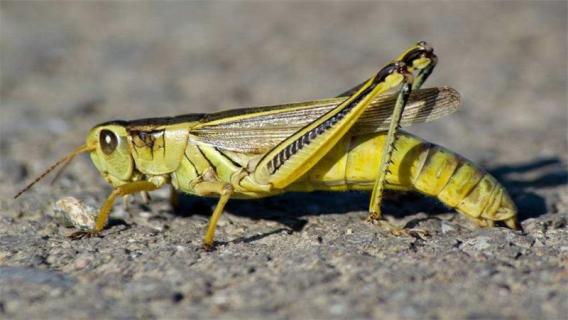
(416,165)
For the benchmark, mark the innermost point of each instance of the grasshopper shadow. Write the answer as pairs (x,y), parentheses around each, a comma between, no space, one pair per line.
(290,209)
(523,179)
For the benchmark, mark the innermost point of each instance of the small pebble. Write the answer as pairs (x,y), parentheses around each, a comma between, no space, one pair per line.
(82,262)
(71,212)
(146,214)
(447,228)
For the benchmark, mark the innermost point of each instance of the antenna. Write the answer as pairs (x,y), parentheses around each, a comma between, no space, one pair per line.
(65,160)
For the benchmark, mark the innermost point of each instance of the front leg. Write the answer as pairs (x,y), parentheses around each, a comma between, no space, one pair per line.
(224,190)
(104,213)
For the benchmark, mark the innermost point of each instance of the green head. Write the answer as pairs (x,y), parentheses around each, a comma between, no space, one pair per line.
(110,152)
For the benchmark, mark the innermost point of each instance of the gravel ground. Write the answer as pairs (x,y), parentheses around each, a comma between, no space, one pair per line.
(67,66)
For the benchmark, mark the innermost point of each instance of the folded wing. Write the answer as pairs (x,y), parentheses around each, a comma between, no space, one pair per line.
(257,130)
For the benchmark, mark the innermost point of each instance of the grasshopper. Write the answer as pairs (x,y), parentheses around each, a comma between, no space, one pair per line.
(351,142)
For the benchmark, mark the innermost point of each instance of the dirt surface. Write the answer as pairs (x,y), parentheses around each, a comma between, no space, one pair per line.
(67,66)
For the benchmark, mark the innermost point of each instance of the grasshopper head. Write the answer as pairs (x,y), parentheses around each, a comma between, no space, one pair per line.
(111,153)
(108,147)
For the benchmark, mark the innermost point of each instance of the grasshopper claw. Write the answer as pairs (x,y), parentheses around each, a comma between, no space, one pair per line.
(411,233)
(208,246)
(78,235)
(400,231)
(418,233)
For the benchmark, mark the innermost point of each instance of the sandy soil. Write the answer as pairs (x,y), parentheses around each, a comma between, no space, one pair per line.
(67,66)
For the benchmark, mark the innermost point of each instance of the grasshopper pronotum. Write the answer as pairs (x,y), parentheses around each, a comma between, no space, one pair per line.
(351,142)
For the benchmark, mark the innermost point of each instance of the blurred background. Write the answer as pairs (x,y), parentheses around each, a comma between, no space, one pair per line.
(66,66)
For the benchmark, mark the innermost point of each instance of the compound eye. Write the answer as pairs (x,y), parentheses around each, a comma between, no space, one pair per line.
(108,141)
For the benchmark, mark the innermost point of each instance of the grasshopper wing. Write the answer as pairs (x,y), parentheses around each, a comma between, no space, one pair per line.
(257,130)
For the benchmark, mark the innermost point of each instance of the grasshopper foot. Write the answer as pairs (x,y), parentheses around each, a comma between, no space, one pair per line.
(415,233)
(83,234)
(208,246)
(398,231)
(374,217)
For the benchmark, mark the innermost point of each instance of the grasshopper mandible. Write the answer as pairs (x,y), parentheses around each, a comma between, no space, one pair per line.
(351,142)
